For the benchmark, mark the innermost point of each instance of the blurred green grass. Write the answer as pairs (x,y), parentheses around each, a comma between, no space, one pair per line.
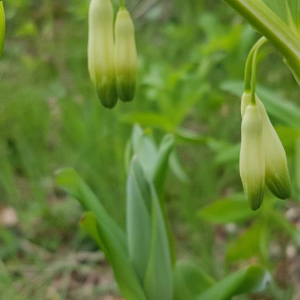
(50,118)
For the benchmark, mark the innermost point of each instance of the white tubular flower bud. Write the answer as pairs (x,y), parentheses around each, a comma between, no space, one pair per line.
(126,56)
(101,51)
(252,161)
(277,174)
(246,100)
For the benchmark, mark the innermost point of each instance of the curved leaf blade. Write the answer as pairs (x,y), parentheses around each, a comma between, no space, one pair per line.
(159,276)
(227,210)
(138,219)
(125,276)
(162,164)
(189,281)
(252,279)
(71,182)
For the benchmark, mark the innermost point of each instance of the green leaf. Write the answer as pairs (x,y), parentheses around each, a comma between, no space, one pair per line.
(186,135)
(125,276)
(189,281)
(280,25)
(227,210)
(138,219)
(159,178)
(2,28)
(251,279)
(251,243)
(70,181)
(155,164)
(288,11)
(159,276)
(145,150)
(180,111)
(89,223)
(162,164)
(149,119)
(286,112)
(177,168)
(230,154)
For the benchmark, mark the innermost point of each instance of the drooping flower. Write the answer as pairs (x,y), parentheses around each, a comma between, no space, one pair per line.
(101,51)
(252,159)
(126,55)
(277,174)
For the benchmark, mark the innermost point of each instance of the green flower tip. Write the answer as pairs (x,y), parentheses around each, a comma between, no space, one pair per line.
(125,56)
(101,58)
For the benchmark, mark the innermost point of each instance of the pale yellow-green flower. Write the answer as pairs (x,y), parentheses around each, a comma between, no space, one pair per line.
(101,51)
(126,55)
(277,174)
(2,28)
(252,159)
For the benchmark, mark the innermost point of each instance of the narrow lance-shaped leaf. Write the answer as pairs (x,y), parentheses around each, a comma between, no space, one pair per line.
(155,165)
(249,280)
(145,150)
(106,233)
(70,181)
(159,276)
(227,210)
(190,281)
(162,165)
(159,176)
(177,168)
(125,276)
(138,219)
(250,243)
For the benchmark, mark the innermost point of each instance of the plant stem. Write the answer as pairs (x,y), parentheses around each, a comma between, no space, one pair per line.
(273,28)
(253,76)
(122,4)
(248,67)
(251,68)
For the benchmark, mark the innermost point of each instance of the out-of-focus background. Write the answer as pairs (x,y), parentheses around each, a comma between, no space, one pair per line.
(191,62)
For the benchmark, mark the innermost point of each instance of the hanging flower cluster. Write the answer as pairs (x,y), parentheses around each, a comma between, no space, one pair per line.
(112,56)
(262,158)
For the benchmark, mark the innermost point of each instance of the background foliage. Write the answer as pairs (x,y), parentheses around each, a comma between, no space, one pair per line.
(191,61)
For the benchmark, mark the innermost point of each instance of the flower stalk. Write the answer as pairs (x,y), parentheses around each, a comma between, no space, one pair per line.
(266,144)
